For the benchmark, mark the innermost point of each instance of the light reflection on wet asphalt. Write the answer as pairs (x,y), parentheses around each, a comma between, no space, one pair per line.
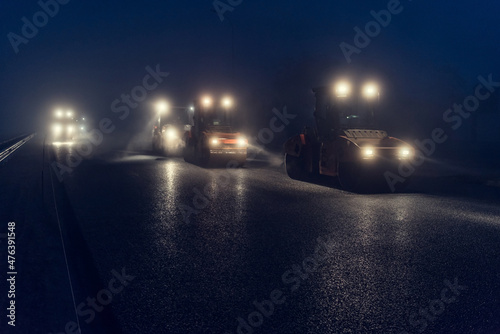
(247,227)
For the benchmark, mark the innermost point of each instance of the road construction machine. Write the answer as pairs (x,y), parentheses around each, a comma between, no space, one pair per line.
(63,128)
(345,143)
(169,127)
(212,139)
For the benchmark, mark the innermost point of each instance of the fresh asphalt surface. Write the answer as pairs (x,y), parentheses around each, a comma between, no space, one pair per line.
(201,249)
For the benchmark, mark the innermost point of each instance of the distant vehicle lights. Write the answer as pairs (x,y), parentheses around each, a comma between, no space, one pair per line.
(64,126)
(343,89)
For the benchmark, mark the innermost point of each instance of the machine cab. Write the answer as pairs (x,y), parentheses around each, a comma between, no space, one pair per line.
(342,108)
(210,117)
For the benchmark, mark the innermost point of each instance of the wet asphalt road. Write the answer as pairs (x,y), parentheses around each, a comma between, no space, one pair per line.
(251,251)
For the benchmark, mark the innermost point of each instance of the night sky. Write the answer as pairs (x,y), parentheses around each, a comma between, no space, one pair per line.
(89,53)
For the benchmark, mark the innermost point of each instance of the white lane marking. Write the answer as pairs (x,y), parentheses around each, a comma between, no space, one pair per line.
(8,151)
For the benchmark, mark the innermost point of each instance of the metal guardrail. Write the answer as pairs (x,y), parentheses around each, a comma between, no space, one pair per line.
(5,153)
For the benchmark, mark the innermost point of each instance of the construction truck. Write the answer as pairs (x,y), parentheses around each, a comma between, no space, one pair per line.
(168,129)
(63,127)
(212,139)
(345,143)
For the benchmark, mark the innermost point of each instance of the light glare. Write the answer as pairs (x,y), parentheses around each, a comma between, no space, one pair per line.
(207,101)
(57,128)
(404,152)
(227,102)
(368,152)
(342,89)
(242,142)
(172,133)
(370,90)
(162,106)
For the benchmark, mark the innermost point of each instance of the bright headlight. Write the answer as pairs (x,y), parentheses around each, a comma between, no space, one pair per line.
(368,152)
(57,129)
(214,141)
(404,153)
(171,133)
(242,142)
(342,89)
(207,101)
(370,91)
(227,102)
(70,129)
(161,106)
